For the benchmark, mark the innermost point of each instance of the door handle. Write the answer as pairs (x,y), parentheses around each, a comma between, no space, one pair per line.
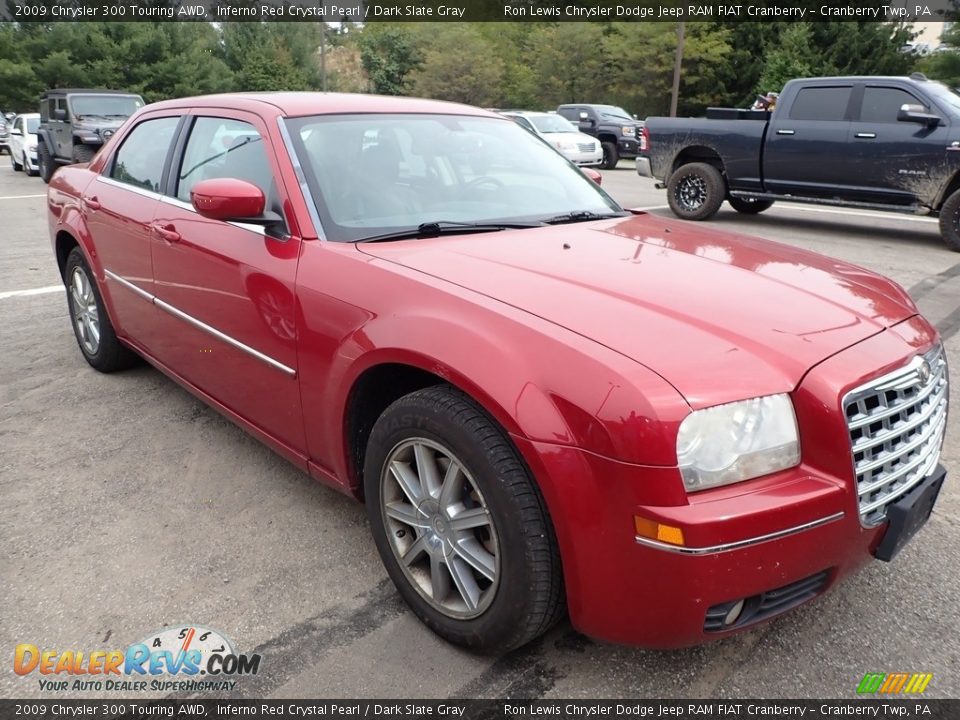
(91,202)
(784,132)
(867,136)
(166,232)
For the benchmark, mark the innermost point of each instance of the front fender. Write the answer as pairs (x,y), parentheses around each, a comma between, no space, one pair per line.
(539,381)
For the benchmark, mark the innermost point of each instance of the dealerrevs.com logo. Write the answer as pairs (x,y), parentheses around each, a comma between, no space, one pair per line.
(184,658)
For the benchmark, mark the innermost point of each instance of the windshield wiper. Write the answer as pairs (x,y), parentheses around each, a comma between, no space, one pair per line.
(447,227)
(581,216)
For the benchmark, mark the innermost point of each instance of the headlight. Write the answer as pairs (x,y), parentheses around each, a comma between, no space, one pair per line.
(628,131)
(32,148)
(738,441)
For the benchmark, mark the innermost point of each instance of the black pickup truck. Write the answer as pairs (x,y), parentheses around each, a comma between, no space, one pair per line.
(883,143)
(612,126)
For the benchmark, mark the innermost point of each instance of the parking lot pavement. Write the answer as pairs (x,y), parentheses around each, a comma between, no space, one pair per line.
(128,505)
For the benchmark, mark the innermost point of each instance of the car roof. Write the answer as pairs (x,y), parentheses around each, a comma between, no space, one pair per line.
(86,91)
(295,104)
(527,113)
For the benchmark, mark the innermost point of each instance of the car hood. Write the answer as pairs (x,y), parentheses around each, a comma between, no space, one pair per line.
(719,316)
(576,137)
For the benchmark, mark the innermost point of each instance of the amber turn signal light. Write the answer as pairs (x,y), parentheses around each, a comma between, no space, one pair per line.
(658,531)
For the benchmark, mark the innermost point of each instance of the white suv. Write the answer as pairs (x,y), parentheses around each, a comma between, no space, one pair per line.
(577,147)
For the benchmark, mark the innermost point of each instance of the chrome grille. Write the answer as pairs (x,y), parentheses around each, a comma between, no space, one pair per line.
(897,424)
(587,147)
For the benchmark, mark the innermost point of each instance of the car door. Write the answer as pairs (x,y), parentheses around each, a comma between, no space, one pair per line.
(118,207)
(900,162)
(806,150)
(227,288)
(62,128)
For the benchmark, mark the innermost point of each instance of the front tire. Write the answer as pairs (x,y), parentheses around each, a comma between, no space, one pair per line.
(696,191)
(45,162)
(749,206)
(83,153)
(91,325)
(611,156)
(459,523)
(17,167)
(950,221)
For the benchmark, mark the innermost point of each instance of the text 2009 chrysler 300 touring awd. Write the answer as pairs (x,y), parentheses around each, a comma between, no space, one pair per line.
(545,401)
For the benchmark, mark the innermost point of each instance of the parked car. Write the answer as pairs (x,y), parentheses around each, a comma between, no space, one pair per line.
(882,143)
(544,400)
(23,143)
(613,126)
(4,133)
(578,148)
(75,123)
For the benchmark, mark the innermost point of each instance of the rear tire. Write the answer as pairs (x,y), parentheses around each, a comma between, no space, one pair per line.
(459,523)
(611,156)
(950,222)
(45,162)
(91,325)
(83,153)
(696,191)
(749,206)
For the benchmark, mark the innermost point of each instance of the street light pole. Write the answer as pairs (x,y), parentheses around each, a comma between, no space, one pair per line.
(677,63)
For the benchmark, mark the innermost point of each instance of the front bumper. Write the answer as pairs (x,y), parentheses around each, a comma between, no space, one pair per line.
(775,542)
(628,146)
(585,159)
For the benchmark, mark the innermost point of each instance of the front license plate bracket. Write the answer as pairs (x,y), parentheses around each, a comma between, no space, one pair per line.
(908,514)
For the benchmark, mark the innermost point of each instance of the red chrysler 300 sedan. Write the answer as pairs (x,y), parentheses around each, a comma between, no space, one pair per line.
(547,402)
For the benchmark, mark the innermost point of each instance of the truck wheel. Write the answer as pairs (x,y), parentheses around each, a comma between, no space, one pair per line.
(459,523)
(17,167)
(45,162)
(610,155)
(696,191)
(83,153)
(950,221)
(749,206)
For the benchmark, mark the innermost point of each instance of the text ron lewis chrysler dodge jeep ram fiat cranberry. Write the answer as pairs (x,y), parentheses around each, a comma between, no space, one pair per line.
(546,402)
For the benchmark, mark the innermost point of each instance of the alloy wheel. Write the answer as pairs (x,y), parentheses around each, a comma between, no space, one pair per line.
(440,529)
(86,317)
(691,192)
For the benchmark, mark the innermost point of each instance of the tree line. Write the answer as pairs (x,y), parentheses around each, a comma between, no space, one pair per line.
(517,65)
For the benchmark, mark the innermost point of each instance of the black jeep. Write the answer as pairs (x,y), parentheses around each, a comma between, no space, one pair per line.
(75,123)
(616,130)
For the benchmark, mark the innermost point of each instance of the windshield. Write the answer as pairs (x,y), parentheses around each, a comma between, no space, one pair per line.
(376,174)
(945,95)
(119,106)
(32,124)
(552,124)
(612,111)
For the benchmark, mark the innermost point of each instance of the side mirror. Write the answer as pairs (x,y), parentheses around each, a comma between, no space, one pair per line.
(584,116)
(917,114)
(593,175)
(16,131)
(59,114)
(228,199)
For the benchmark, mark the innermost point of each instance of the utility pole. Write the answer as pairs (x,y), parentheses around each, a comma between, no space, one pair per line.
(677,63)
(323,56)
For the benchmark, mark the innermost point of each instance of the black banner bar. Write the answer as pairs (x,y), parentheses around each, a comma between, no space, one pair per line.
(120,709)
(45,11)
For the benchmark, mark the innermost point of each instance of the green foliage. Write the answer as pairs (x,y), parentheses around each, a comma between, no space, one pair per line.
(943,65)
(534,65)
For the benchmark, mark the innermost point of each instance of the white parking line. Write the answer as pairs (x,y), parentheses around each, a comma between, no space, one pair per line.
(32,291)
(20,197)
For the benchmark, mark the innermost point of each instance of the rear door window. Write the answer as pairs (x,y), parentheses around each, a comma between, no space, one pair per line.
(821,103)
(141,157)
